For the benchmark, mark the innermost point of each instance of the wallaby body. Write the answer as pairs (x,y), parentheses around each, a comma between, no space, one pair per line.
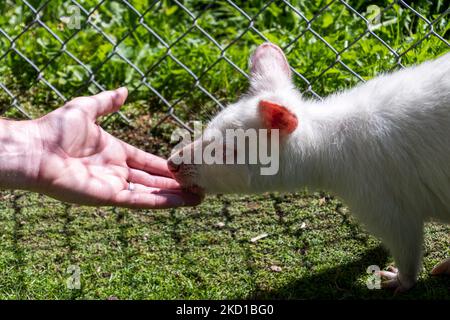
(383,147)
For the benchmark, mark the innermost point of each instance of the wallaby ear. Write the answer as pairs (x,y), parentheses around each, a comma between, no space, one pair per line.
(275,116)
(269,68)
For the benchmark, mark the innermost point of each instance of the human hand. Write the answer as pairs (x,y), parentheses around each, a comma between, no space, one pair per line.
(79,162)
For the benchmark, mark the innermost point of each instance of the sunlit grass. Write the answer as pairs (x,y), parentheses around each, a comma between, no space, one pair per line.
(202,252)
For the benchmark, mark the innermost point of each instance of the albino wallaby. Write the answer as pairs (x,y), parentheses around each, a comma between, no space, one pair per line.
(383,147)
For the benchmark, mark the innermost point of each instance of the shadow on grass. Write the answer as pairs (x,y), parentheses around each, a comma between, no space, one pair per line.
(18,251)
(341,282)
(74,293)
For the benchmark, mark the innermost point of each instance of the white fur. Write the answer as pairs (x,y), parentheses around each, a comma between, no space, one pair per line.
(383,147)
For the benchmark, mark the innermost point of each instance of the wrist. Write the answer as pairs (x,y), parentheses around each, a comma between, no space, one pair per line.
(20,154)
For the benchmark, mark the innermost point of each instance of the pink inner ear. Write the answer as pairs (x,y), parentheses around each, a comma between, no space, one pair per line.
(272,52)
(276,116)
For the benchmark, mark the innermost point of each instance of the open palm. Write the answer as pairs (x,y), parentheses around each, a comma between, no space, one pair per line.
(82,163)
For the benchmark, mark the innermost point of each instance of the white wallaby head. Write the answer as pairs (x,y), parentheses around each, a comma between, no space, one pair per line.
(270,105)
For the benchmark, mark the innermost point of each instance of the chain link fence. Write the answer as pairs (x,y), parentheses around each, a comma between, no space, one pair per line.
(184,61)
(180,58)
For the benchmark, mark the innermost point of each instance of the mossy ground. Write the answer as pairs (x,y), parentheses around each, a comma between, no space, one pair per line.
(199,253)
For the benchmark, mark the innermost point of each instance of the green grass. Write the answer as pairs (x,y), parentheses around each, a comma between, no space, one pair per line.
(198,253)
(202,252)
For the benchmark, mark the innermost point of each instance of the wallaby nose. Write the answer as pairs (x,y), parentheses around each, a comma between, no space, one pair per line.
(173,167)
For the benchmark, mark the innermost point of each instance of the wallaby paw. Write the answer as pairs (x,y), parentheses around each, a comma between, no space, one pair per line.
(441,268)
(392,281)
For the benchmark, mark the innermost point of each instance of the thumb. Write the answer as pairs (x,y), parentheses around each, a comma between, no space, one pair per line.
(107,102)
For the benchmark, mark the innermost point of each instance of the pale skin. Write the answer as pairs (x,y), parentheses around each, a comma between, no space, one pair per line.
(68,156)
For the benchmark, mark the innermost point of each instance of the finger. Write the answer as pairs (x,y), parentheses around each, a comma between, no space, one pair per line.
(160,200)
(387,275)
(110,101)
(189,197)
(141,160)
(441,268)
(103,103)
(142,177)
(193,197)
(143,188)
(392,269)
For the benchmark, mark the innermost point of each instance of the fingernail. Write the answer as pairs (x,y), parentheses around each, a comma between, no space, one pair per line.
(122,91)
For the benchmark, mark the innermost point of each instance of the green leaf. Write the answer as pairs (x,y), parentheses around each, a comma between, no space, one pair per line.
(171,10)
(328,20)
